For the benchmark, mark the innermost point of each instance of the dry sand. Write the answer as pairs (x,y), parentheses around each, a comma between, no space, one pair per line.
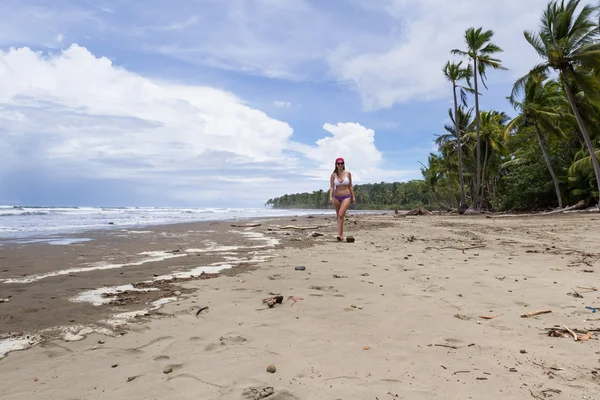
(395,315)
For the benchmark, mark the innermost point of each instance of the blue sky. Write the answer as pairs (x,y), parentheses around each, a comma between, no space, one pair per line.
(230,102)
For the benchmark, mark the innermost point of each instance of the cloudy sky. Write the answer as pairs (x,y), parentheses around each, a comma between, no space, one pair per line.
(230,102)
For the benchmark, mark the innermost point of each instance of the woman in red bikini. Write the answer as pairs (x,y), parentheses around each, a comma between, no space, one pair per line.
(340,194)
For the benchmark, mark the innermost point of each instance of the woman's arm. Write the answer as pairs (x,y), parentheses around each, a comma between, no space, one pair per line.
(331,188)
(351,188)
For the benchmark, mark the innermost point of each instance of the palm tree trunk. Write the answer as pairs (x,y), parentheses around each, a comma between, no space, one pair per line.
(549,165)
(463,202)
(584,133)
(478,174)
(485,159)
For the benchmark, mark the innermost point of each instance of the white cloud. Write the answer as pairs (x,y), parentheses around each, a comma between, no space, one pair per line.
(410,69)
(389,51)
(73,115)
(356,144)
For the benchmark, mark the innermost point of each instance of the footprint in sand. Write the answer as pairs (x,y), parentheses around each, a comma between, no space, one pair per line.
(155,346)
(192,384)
(53,350)
(237,339)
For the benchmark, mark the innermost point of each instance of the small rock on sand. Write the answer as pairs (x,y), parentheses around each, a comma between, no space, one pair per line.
(168,369)
(271,368)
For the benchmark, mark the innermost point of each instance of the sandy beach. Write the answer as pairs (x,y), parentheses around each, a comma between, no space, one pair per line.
(428,307)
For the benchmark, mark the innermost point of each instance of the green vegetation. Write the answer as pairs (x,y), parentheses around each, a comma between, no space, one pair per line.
(544,156)
(370,196)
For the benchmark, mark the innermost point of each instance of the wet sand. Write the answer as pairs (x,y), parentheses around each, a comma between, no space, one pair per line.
(416,308)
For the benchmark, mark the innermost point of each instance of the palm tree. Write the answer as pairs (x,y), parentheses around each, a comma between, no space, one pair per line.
(480,50)
(455,73)
(569,44)
(540,108)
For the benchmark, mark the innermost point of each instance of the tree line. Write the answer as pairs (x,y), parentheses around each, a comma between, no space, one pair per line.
(396,195)
(546,156)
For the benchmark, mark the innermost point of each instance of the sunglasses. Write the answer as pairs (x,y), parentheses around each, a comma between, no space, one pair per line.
(340,163)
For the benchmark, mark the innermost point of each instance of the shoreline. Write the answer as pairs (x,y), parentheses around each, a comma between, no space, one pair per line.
(107,295)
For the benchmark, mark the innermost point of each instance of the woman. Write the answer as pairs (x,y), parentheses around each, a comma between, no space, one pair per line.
(340,194)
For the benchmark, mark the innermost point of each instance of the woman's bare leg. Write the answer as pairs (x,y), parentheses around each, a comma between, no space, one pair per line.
(341,216)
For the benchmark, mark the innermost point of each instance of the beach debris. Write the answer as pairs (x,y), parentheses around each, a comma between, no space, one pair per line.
(577,334)
(201,309)
(479,246)
(246,225)
(302,228)
(4,300)
(355,306)
(488,316)
(317,234)
(366,348)
(271,368)
(258,393)
(523,351)
(168,369)
(114,365)
(543,394)
(462,317)
(419,211)
(592,309)
(101,342)
(271,301)
(129,379)
(590,288)
(300,268)
(575,294)
(445,345)
(544,366)
(330,289)
(534,313)
(350,239)
(588,271)
(294,299)
(339,276)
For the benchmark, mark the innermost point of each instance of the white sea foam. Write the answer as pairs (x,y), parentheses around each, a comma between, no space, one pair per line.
(153,256)
(99,296)
(13,344)
(76,332)
(122,318)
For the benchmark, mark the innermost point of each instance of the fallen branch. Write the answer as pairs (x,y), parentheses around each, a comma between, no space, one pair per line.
(577,206)
(456,248)
(571,332)
(544,366)
(590,288)
(534,313)
(301,227)
(446,345)
(246,225)
(201,309)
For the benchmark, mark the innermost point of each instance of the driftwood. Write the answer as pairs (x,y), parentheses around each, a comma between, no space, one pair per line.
(534,313)
(246,225)
(577,206)
(419,211)
(301,227)
(455,248)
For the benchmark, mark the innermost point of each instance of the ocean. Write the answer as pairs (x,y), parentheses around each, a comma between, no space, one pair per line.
(46,224)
